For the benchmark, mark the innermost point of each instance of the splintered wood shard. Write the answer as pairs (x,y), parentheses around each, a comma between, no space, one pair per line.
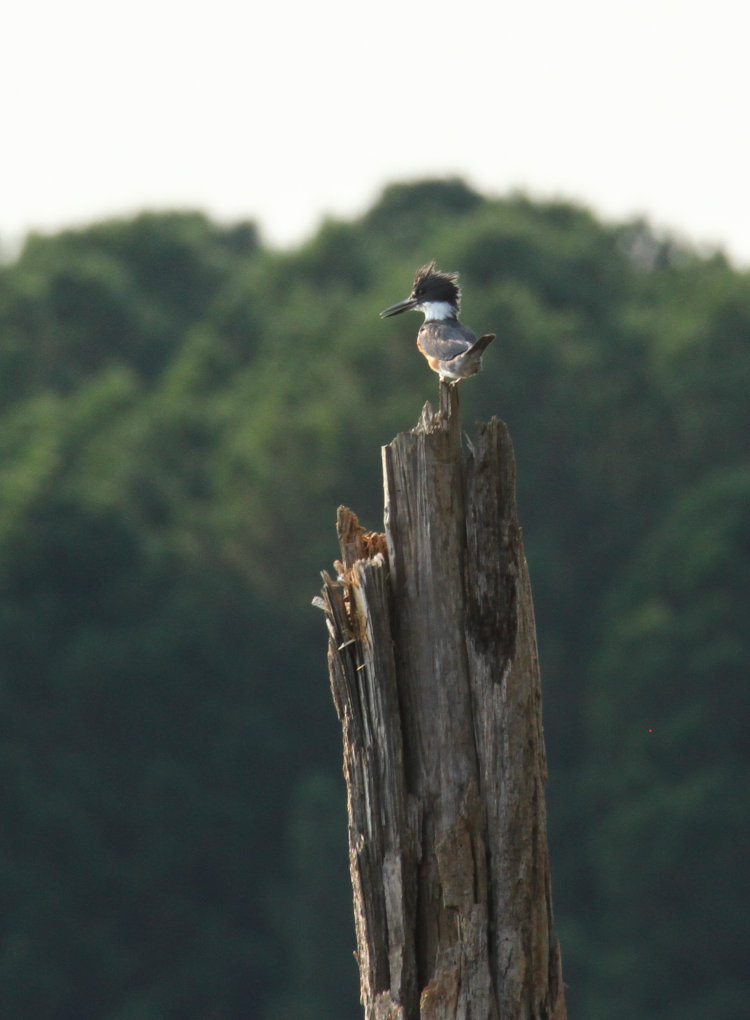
(435,677)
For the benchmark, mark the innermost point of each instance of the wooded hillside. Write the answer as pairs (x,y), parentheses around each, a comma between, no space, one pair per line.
(181,411)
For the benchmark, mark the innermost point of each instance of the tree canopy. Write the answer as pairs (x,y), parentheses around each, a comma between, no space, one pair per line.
(182,408)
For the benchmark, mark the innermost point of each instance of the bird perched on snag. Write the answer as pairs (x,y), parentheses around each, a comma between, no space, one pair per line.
(451,349)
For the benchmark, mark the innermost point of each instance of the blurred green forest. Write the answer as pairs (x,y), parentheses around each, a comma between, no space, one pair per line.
(182,408)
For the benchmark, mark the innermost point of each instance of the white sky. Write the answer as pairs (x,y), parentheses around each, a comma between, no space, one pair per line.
(283,112)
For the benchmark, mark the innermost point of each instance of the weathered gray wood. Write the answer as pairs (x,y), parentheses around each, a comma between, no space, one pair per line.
(435,678)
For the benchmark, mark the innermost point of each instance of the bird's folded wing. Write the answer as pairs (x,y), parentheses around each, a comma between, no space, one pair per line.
(435,341)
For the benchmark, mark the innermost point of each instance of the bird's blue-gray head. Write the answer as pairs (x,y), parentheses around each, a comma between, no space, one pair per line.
(434,293)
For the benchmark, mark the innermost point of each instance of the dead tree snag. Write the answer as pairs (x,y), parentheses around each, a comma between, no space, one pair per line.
(435,678)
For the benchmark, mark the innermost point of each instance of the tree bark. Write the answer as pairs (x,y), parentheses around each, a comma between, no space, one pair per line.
(435,678)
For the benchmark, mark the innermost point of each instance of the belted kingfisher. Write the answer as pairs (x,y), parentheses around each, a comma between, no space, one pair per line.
(451,349)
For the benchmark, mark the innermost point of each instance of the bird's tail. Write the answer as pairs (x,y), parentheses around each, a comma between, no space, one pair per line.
(479,345)
(471,360)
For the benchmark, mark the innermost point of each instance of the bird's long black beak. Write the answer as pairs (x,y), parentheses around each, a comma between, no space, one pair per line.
(402,306)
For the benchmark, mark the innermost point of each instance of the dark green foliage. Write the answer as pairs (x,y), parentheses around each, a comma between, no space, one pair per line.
(406,214)
(122,292)
(439,198)
(674,666)
(181,410)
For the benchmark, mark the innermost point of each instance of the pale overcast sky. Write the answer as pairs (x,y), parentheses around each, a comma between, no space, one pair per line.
(283,112)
